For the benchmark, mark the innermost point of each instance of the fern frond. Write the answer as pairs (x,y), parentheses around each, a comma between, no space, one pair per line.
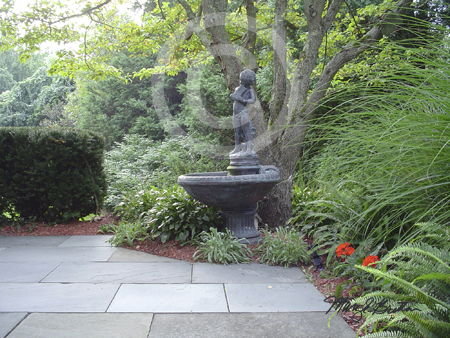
(408,287)
(390,334)
(429,327)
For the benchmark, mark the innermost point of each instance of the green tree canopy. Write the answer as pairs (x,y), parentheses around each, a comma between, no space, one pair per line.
(25,103)
(6,80)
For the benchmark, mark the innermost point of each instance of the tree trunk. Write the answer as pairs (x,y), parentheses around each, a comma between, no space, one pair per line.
(224,52)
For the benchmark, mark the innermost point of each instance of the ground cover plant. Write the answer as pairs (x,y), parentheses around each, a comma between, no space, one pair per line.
(283,247)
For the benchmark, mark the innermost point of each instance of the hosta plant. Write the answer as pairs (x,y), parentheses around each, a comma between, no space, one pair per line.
(126,233)
(176,215)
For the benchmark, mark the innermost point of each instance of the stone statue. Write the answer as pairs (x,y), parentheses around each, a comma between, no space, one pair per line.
(243,128)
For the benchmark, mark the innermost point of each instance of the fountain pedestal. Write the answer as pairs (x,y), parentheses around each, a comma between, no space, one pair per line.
(241,223)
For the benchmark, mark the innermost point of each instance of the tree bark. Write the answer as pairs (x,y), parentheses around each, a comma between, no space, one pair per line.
(278,101)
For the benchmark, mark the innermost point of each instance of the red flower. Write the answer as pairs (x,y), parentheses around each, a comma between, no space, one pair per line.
(345,249)
(370,261)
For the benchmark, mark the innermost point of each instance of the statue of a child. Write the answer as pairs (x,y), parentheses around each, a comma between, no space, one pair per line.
(243,128)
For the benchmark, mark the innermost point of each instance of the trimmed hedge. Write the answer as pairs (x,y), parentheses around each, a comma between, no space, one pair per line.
(51,174)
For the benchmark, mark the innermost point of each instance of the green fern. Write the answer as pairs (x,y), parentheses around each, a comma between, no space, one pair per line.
(417,273)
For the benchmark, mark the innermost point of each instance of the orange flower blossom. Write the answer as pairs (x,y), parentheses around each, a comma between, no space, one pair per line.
(370,261)
(345,249)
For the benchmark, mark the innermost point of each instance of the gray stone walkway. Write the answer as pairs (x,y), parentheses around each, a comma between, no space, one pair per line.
(80,286)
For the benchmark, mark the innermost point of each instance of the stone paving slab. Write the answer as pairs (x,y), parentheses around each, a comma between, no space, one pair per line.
(111,272)
(52,297)
(25,272)
(169,298)
(8,321)
(47,254)
(249,325)
(84,325)
(80,241)
(127,255)
(274,298)
(50,241)
(245,273)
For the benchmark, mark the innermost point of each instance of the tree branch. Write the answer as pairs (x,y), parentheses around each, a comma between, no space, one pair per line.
(280,84)
(348,53)
(333,9)
(87,11)
(194,27)
(304,69)
(251,26)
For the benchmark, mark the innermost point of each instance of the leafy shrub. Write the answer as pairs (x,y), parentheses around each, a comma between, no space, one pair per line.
(137,204)
(284,247)
(176,215)
(222,247)
(418,274)
(126,170)
(168,213)
(139,163)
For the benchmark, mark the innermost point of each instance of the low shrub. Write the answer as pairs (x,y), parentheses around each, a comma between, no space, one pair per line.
(137,204)
(126,233)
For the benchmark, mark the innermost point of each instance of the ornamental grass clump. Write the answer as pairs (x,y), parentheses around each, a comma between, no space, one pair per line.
(222,247)
(284,247)
(385,144)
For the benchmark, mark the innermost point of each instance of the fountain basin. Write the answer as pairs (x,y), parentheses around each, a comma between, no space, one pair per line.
(229,192)
(235,195)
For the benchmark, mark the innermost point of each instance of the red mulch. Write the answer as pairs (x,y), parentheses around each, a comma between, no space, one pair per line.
(73,228)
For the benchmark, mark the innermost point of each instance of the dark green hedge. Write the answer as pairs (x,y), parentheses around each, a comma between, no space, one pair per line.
(51,174)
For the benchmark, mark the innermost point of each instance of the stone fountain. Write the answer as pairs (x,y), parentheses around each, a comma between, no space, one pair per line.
(237,191)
